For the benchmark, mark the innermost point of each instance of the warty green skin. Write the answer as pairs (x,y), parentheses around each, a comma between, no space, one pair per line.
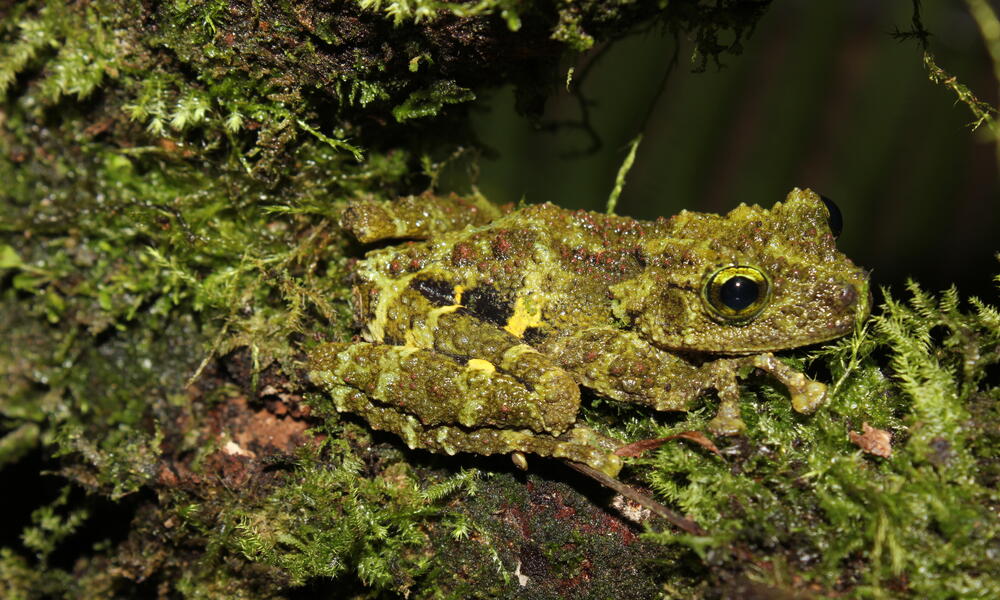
(478,339)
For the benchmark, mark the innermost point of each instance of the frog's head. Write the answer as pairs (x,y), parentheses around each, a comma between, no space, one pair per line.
(754,280)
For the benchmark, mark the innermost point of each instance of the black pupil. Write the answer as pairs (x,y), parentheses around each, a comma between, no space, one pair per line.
(739,292)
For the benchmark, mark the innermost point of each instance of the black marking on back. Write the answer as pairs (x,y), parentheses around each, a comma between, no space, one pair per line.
(534,335)
(437,291)
(485,303)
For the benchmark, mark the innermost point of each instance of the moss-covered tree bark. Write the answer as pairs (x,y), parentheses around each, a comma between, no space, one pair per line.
(171,175)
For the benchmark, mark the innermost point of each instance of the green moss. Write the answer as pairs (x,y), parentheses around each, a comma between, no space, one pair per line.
(327,519)
(416,11)
(428,102)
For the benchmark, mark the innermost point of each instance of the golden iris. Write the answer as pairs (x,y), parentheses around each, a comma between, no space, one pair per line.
(737,293)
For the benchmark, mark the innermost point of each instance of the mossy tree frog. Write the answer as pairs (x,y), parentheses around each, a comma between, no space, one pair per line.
(480,331)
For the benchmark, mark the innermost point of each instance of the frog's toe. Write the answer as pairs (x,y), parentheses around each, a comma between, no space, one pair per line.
(611,465)
(809,397)
(727,421)
(520,460)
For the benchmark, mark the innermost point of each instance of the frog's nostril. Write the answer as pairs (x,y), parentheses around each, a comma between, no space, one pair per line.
(848,295)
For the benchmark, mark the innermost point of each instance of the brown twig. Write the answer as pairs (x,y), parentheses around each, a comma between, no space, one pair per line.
(629,492)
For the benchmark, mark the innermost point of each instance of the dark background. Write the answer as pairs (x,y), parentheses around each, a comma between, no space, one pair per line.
(822,96)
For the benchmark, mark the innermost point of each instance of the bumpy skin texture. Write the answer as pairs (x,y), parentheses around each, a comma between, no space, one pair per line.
(479,337)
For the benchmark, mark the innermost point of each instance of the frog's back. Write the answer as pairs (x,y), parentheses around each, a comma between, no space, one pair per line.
(536,272)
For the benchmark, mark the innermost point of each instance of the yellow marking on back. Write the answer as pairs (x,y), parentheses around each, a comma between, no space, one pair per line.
(527,313)
(389,290)
(480,365)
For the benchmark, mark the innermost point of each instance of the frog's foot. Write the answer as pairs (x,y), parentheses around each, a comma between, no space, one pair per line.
(807,395)
(581,442)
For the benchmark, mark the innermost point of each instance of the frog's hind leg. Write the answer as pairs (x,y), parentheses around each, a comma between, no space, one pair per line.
(435,403)
(416,217)
(455,330)
(430,385)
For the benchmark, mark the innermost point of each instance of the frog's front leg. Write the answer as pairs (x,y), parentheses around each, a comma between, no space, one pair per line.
(806,394)
(433,402)
(621,365)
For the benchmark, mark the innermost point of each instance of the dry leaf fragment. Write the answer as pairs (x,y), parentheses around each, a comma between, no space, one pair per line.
(637,448)
(873,440)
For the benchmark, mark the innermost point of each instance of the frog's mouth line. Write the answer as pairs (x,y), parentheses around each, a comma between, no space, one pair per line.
(730,347)
(790,344)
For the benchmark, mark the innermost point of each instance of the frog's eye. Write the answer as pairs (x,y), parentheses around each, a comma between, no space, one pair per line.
(836,219)
(737,293)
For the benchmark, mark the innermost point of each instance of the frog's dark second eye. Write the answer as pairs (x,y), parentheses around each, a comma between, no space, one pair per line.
(836,220)
(737,293)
